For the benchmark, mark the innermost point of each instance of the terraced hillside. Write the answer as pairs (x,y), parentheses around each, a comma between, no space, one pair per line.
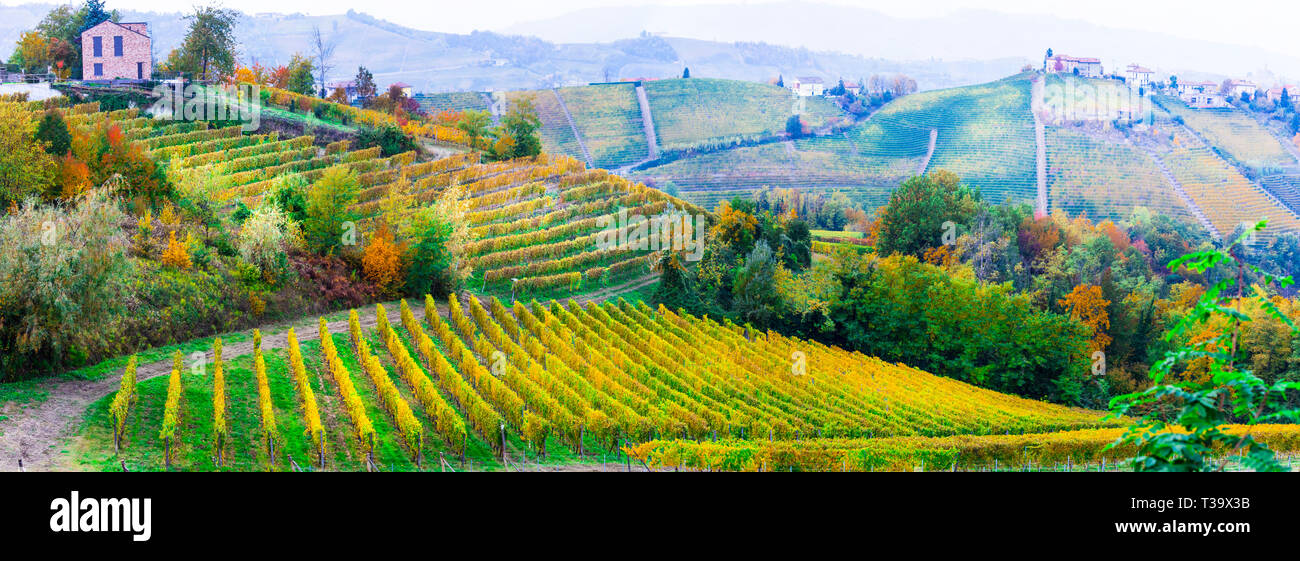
(410,391)
(820,164)
(609,120)
(1228,198)
(452,101)
(557,134)
(1232,131)
(1072,99)
(534,224)
(1104,179)
(697,112)
(985,135)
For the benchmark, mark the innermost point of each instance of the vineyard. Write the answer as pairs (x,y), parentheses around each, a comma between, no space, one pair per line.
(1232,131)
(1226,196)
(496,383)
(699,112)
(985,135)
(1106,180)
(609,121)
(534,224)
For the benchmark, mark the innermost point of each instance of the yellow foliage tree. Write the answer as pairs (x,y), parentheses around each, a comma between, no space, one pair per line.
(177,253)
(1088,306)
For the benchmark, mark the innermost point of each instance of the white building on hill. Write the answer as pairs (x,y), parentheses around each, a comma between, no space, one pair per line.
(1239,87)
(1082,66)
(1138,76)
(1201,95)
(805,86)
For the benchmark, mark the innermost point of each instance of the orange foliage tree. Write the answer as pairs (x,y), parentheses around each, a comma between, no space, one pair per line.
(177,254)
(1088,306)
(382,261)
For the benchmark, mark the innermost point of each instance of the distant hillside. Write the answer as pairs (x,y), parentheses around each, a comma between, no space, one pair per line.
(961,35)
(480,61)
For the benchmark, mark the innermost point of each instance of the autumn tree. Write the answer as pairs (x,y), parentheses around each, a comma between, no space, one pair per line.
(34,52)
(26,169)
(382,260)
(1086,304)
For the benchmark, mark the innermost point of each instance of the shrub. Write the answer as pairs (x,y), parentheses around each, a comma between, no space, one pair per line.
(266,237)
(389,138)
(67,279)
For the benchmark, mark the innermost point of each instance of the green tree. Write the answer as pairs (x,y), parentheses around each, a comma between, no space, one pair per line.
(389,138)
(1202,406)
(475,124)
(300,75)
(686,72)
(95,14)
(915,217)
(328,208)
(53,133)
(365,83)
(521,123)
(794,126)
(208,50)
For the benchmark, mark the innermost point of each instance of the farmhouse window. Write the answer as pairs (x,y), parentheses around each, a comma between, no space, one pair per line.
(117,45)
(99,46)
(99,68)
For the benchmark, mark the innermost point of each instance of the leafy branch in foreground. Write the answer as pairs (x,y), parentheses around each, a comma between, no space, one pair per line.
(1202,407)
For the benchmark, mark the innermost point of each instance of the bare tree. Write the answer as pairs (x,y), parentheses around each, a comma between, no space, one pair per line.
(324,56)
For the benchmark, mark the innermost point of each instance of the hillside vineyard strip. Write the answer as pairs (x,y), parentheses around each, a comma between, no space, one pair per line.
(535,220)
(488,379)
(1105,180)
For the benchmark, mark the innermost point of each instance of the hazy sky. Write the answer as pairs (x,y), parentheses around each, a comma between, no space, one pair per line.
(1270,24)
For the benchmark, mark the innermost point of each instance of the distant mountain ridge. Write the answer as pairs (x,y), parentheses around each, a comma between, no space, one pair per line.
(963,35)
(482,61)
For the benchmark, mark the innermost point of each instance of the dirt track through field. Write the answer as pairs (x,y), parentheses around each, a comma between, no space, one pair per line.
(38,433)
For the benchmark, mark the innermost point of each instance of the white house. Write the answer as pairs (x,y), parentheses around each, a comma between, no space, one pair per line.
(805,86)
(853,88)
(1292,91)
(1138,75)
(1066,64)
(1238,87)
(1201,95)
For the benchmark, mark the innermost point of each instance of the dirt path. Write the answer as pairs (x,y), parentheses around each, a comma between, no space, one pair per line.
(38,433)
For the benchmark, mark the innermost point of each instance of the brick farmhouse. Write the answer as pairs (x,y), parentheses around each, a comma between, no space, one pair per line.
(116,50)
